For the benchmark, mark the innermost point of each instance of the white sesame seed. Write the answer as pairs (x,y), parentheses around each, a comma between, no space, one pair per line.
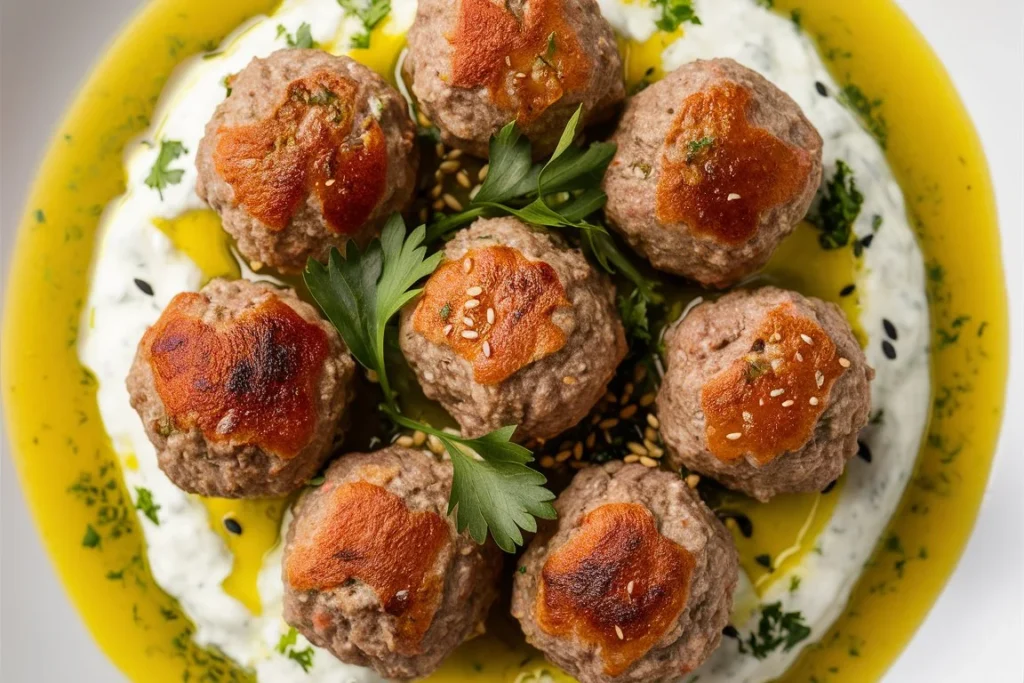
(777,392)
(733,436)
(452,203)
(618,632)
(629,587)
(692,480)
(760,401)
(732,197)
(807,340)
(844,362)
(404,441)
(462,178)
(634,447)
(819,378)
(470,334)
(468,322)
(775,337)
(648,461)
(800,356)
(418,438)
(747,417)
(652,420)
(490,316)
(472,303)
(776,364)
(786,404)
(487,349)
(520,74)
(814,400)
(631,458)
(508,60)
(447,330)
(482,174)
(329,182)
(454,154)
(449,166)
(467,265)
(474,291)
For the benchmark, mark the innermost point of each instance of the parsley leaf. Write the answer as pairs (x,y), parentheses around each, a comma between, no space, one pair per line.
(865,107)
(360,293)
(160,175)
(303,37)
(144,503)
(370,14)
(286,646)
(91,538)
(775,628)
(838,209)
(694,147)
(633,310)
(674,13)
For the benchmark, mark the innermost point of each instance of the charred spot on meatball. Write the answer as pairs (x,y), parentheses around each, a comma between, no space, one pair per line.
(241,388)
(375,570)
(766,391)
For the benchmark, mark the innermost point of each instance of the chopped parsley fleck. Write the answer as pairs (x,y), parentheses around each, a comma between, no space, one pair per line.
(91,538)
(161,175)
(674,13)
(316,481)
(370,14)
(695,147)
(775,628)
(445,311)
(794,583)
(40,216)
(286,646)
(633,310)
(552,45)
(144,503)
(303,37)
(868,110)
(797,18)
(522,570)
(838,209)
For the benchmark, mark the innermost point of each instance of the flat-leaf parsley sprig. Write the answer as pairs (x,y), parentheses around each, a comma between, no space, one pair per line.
(493,488)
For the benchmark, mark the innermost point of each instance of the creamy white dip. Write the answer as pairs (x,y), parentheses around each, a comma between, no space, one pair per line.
(190,561)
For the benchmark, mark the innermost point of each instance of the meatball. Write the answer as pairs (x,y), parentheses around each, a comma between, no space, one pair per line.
(475,65)
(765,391)
(308,151)
(514,328)
(715,166)
(375,571)
(633,583)
(241,388)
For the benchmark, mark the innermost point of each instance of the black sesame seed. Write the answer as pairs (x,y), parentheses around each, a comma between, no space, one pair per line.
(863,452)
(888,349)
(890,329)
(820,87)
(847,290)
(828,489)
(764,560)
(868,239)
(232,525)
(146,288)
(743,522)
(730,631)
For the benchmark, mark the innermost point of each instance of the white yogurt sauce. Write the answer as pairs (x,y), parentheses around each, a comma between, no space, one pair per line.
(190,561)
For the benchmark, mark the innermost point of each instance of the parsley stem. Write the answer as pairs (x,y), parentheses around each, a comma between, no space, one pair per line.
(449,223)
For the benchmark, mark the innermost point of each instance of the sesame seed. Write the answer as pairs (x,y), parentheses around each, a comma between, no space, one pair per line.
(733,436)
(438,205)
(547,461)
(631,458)
(447,330)
(629,587)
(449,166)
(777,392)
(628,412)
(692,480)
(404,441)
(618,632)
(435,445)
(647,399)
(786,404)
(144,287)
(577,450)
(418,438)
(463,179)
(232,525)
(563,456)
(454,154)
(472,303)
(467,265)
(652,420)
(634,447)
(847,290)
(439,149)
(468,322)
(819,378)
(732,197)
(844,362)
(508,60)
(650,434)
(475,291)
(608,424)
(800,356)
(776,363)
(813,400)
(888,349)
(452,203)
(648,461)
(482,173)
(569,379)
(890,329)
(776,337)
(435,192)
(490,316)
(807,340)
(520,74)
(760,401)
(329,182)
(470,334)
(591,440)
(487,349)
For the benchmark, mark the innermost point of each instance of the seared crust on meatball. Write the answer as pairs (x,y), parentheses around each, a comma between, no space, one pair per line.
(765,391)
(633,582)
(241,388)
(715,166)
(475,65)
(514,328)
(375,571)
(308,151)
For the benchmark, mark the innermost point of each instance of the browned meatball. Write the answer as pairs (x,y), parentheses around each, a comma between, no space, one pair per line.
(765,391)
(308,151)
(715,166)
(633,583)
(475,65)
(374,570)
(241,388)
(514,328)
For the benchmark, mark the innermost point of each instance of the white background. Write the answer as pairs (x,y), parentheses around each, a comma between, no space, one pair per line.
(975,631)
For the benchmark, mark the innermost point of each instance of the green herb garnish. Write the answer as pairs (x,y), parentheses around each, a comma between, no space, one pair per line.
(674,13)
(838,209)
(303,38)
(360,293)
(694,147)
(286,646)
(145,504)
(868,110)
(161,175)
(775,628)
(91,538)
(633,310)
(370,14)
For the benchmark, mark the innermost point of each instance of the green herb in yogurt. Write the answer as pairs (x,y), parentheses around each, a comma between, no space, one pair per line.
(775,629)
(370,14)
(161,175)
(838,208)
(674,13)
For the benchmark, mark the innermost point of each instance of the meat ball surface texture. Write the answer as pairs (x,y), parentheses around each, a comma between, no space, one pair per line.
(475,65)
(375,571)
(765,391)
(514,328)
(715,166)
(348,160)
(632,583)
(241,388)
